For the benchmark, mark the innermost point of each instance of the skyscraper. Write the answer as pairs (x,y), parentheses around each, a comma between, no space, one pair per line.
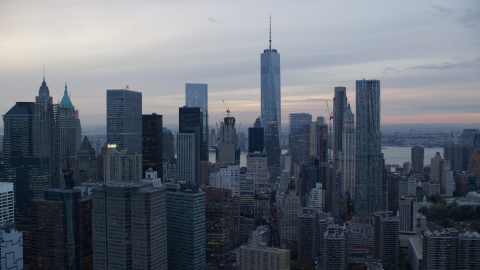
(348,153)
(66,141)
(191,121)
(186,229)
(339,108)
(300,136)
(129,227)
(61,230)
(168,142)
(227,142)
(186,154)
(43,123)
(196,95)
(152,145)
(121,166)
(271,104)
(368,154)
(124,119)
(417,154)
(256,137)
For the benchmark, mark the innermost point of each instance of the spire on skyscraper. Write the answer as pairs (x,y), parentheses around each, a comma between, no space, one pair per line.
(270,36)
(66,102)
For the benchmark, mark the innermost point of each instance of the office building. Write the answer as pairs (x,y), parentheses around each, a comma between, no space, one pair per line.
(6,201)
(228,177)
(168,144)
(334,255)
(386,248)
(339,108)
(257,163)
(61,230)
(121,166)
(308,234)
(186,229)
(271,112)
(196,95)
(87,161)
(408,209)
(256,137)
(152,145)
(18,135)
(299,138)
(290,208)
(11,247)
(368,152)
(312,170)
(191,121)
(129,227)
(43,123)
(259,256)
(218,227)
(322,149)
(124,119)
(247,192)
(468,137)
(347,159)
(66,139)
(315,198)
(417,153)
(227,142)
(186,158)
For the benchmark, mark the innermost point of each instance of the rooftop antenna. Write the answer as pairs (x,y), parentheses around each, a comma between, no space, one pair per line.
(43,70)
(270,36)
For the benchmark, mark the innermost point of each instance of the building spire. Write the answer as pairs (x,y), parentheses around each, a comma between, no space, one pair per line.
(270,36)
(44,71)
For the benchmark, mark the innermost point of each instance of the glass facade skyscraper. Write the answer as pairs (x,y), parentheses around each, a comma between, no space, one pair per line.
(368,152)
(271,103)
(196,95)
(124,119)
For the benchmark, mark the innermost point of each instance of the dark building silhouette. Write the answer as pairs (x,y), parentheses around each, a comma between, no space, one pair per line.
(152,143)
(386,244)
(417,154)
(256,137)
(191,121)
(196,95)
(87,161)
(61,231)
(299,138)
(168,142)
(458,156)
(339,108)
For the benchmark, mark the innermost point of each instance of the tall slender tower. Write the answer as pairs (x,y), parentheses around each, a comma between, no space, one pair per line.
(368,154)
(196,95)
(348,153)
(271,103)
(43,123)
(339,107)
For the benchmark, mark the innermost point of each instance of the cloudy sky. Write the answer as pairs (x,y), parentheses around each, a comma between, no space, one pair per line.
(426,54)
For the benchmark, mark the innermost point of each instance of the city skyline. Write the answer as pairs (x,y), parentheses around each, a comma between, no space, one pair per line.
(427,65)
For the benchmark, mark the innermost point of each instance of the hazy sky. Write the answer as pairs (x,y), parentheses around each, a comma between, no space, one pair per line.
(426,54)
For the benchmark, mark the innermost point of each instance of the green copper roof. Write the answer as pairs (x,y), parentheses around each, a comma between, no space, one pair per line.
(66,102)
(349,110)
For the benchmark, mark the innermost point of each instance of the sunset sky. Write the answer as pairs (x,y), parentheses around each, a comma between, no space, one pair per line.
(425,53)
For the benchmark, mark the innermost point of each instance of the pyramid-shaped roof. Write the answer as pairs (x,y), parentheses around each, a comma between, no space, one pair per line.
(86,145)
(66,102)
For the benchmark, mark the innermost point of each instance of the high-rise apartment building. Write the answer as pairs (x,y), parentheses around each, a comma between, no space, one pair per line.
(308,234)
(339,108)
(124,119)
(417,153)
(271,112)
(186,229)
(43,123)
(386,244)
(334,248)
(196,95)
(152,145)
(347,164)
(440,249)
(299,138)
(368,152)
(61,230)
(408,209)
(6,203)
(256,137)
(129,226)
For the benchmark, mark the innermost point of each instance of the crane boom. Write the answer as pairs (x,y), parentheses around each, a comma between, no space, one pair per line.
(226,108)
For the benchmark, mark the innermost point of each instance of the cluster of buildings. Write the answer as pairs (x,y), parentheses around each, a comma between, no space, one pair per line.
(151,199)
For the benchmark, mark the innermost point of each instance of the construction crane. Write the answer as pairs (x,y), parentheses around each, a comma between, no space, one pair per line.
(226,108)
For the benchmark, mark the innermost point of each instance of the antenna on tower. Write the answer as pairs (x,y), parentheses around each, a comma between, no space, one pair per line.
(43,70)
(270,36)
